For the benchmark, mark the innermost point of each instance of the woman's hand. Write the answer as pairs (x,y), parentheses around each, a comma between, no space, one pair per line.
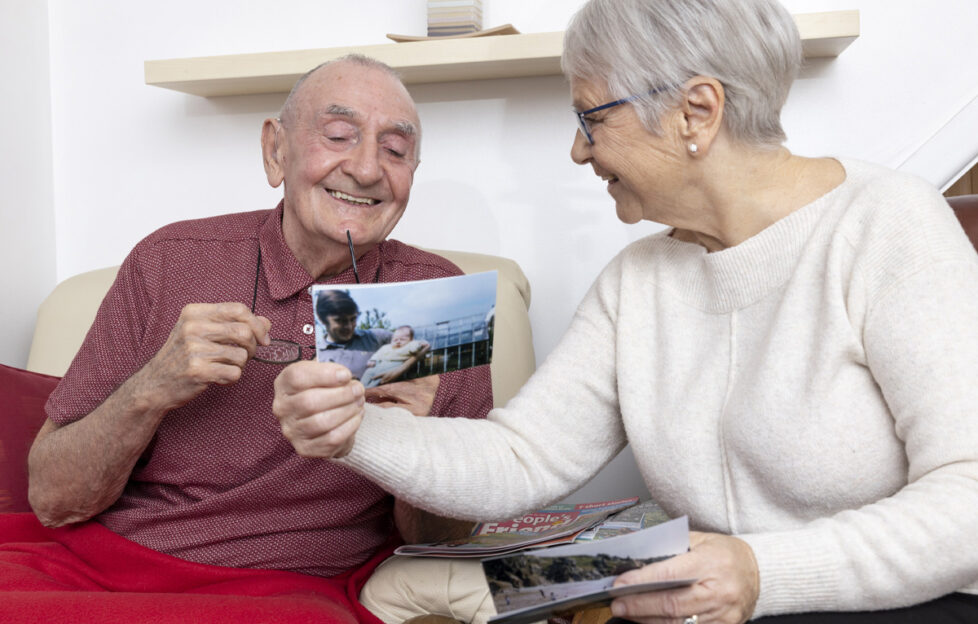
(725,591)
(319,406)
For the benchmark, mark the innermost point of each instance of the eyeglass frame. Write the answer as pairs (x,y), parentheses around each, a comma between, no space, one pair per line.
(582,123)
(254,300)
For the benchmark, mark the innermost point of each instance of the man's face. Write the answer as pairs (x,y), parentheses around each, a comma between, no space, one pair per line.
(341,327)
(348,153)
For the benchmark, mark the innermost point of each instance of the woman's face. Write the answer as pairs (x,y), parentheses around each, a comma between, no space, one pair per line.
(642,170)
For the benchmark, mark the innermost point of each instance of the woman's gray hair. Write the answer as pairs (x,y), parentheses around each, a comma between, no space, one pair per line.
(635,46)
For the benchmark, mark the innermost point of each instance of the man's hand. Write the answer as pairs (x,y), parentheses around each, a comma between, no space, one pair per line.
(210,343)
(79,470)
(725,591)
(319,406)
(416,395)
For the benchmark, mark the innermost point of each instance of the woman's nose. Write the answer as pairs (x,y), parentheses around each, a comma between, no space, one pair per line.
(580,148)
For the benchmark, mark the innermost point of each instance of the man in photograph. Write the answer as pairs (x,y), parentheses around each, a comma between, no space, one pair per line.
(339,340)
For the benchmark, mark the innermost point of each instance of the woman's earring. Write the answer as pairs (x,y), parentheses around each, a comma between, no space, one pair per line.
(693,148)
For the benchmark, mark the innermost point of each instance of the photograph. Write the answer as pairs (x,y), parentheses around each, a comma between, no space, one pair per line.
(400,331)
(531,585)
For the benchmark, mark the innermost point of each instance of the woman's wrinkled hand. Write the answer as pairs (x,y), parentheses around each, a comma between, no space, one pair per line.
(319,407)
(725,592)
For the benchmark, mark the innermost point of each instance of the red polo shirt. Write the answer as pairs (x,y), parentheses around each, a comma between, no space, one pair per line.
(219,483)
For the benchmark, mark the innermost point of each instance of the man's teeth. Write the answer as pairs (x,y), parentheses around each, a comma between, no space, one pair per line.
(366,201)
(609,178)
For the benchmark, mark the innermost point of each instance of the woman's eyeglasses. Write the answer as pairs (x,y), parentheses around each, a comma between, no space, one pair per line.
(585,125)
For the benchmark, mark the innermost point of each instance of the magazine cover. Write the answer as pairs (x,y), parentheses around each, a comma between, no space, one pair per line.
(554,515)
(533,585)
(557,524)
(405,330)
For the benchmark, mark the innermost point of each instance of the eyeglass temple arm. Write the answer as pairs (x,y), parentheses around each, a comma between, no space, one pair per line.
(353,256)
(254,296)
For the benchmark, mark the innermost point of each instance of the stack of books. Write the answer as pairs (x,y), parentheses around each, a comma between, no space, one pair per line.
(448,18)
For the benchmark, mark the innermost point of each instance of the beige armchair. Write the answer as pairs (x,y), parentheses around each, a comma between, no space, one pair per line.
(66,314)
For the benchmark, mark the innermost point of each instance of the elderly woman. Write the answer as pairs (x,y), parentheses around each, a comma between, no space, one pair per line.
(793,362)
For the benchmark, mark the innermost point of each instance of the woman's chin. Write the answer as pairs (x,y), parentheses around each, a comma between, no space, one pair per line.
(628,215)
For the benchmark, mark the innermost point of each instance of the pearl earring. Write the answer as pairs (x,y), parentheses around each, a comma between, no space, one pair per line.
(693,148)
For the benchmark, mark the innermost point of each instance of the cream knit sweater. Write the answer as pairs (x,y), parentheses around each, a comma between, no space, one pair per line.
(812,390)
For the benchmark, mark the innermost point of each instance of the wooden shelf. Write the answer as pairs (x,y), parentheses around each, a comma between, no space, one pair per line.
(479,58)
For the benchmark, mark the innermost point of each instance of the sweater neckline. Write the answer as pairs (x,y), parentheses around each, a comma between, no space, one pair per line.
(738,276)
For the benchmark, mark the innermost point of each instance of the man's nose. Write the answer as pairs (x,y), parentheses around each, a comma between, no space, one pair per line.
(363,163)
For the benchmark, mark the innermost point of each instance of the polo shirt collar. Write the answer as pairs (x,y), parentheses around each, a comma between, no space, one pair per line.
(283,273)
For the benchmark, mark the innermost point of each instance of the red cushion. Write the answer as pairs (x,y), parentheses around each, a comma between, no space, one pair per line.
(22,398)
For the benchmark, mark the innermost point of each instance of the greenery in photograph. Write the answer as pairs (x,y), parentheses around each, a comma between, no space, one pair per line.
(375,319)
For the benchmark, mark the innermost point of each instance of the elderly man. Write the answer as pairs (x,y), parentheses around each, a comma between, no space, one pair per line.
(162,432)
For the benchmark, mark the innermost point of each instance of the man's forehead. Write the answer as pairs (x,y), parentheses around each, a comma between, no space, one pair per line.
(405,125)
(357,91)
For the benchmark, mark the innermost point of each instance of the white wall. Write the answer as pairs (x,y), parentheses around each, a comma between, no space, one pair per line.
(27,240)
(495,176)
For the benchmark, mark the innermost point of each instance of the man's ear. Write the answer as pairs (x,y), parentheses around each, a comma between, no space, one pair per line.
(272,151)
(702,109)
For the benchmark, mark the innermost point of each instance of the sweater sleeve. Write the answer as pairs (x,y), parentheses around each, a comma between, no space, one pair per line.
(558,432)
(921,344)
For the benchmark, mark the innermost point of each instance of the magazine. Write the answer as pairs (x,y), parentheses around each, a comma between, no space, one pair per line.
(533,585)
(405,330)
(641,516)
(557,524)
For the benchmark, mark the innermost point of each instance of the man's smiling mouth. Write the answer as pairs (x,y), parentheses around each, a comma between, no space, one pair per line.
(362,201)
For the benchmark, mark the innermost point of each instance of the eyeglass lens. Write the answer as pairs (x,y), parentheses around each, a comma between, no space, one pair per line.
(582,123)
(279,352)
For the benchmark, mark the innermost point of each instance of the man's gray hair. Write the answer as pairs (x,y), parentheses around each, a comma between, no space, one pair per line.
(288,108)
(751,47)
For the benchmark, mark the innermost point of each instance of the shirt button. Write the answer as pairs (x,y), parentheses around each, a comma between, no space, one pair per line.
(307,329)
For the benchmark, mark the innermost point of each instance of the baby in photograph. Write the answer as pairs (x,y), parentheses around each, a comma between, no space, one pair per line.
(393,359)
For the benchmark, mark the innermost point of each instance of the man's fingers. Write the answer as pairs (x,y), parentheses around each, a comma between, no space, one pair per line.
(200,352)
(225,321)
(261,326)
(228,311)
(237,333)
(225,374)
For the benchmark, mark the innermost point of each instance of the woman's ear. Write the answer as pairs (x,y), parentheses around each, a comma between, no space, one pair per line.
(272,150)
(702,109)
